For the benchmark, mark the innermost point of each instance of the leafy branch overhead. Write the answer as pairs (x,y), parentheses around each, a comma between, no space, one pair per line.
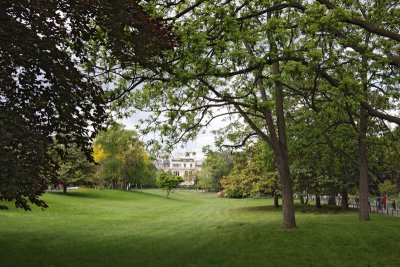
(259,64)
(49,92)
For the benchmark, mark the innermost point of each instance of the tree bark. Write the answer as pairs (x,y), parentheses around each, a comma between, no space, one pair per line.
(362,144)
(64,188)
(282,158)
(363,166)
(276,200)
(289,220)
(345,200)
(318,201)
(277,136)
(301,200)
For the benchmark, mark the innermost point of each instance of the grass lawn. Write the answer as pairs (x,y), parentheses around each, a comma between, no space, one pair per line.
(115,228)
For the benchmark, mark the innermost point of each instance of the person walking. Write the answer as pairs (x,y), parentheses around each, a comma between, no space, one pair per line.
(384,201)
(378,203)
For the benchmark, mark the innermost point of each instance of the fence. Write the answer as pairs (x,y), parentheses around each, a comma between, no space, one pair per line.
(382,210)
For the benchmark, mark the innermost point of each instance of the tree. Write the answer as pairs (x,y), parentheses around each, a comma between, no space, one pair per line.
(47,91)
(215,166)
(355,47)
(168,181)
(222,67)
(122,158)
(387,188)
(75,169)
(255,62)
(254,174)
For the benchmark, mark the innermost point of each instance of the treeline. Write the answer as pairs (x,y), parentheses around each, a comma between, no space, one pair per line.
(317,171)
(120,162)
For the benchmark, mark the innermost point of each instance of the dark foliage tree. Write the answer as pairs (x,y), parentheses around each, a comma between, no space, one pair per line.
(46,94)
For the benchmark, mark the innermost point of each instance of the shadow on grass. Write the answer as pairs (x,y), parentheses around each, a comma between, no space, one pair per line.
(172,196)
(325,209)
(77,194)
(121,196)
(237,243)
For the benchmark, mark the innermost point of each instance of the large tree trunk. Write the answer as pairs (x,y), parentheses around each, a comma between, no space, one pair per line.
(318,201)
(277,136)
(363,166)
(289,220)
(345,200)
(64,188)
(362,143)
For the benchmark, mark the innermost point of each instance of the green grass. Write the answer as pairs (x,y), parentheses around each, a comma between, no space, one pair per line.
(115,228)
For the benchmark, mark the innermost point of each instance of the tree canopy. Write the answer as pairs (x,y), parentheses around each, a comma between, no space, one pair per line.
(168,181)
(258,62)
(122,159)
(49,92)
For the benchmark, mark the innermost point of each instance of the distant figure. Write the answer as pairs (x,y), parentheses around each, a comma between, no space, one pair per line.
(357,200)
(369,201)
(384,201)
(394,204)
(378,202)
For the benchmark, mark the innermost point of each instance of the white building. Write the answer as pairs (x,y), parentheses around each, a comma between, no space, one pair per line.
(185,167)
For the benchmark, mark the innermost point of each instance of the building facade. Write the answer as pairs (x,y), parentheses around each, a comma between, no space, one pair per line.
(186,167)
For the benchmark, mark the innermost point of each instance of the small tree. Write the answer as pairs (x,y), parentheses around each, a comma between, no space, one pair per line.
(168,181)
(387,188)
(75,169)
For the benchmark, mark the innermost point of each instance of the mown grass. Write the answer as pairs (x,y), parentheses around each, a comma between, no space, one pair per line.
(115,228)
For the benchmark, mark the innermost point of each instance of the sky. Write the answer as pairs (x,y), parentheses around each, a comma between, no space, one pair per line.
(206,139)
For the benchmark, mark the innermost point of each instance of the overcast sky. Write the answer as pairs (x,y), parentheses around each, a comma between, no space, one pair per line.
(202,140)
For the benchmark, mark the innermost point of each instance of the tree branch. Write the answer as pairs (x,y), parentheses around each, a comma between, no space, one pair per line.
(364,24)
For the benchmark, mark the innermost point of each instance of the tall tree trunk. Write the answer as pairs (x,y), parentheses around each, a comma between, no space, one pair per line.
(363,166)
(277,136)
(276,200)
(64,188)
(345,200)
(362,143)
(318,201)
(306,198)
(289,220)
(301,200)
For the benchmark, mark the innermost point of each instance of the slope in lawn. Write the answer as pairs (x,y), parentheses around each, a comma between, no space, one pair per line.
(115,228)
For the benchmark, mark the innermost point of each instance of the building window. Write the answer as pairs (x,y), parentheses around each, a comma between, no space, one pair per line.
(184,165)
(175,165)
(190,165)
